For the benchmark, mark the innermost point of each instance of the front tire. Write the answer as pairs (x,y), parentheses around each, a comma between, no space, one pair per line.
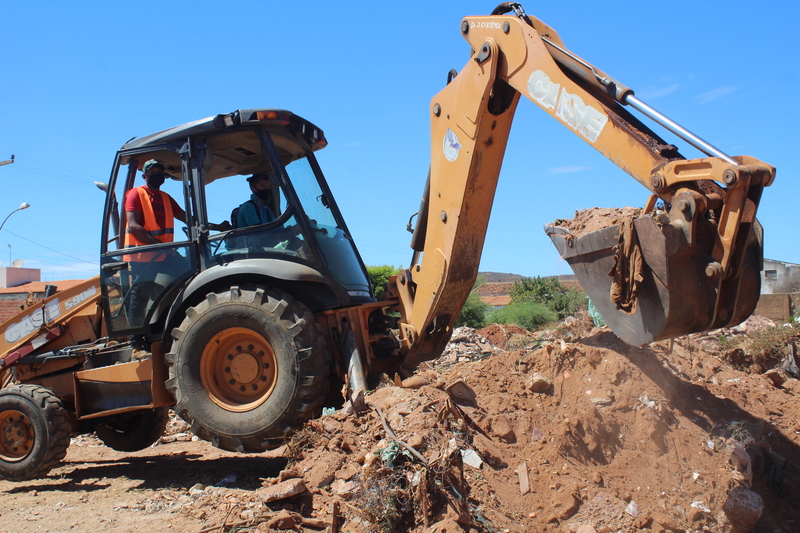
(34,432)
(247,366)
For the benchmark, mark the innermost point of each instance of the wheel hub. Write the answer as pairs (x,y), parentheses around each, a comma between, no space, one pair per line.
(245,368)
(16,435)
(237,369)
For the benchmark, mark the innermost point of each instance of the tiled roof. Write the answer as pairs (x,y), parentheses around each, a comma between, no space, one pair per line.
(38,286)
(495,289)
(496,301)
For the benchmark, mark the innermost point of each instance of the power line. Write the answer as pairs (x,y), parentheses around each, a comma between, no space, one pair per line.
(52,250)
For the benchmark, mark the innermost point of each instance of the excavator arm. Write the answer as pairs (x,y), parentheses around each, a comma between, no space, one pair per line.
(691,265)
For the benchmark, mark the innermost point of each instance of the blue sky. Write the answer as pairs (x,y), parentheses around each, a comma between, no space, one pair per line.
(79,79)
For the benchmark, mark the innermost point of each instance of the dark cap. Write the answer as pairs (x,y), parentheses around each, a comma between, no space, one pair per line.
(257,177)
(153,163)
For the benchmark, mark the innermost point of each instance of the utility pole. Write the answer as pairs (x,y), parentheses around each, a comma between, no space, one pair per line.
(7,162)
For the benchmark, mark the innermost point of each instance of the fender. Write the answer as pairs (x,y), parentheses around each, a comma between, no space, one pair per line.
(247,268)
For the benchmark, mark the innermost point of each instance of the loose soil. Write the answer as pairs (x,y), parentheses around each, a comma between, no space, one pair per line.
(588,220)
(567,430)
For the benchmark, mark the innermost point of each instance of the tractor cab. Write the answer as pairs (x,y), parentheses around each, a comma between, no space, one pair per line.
(224,228)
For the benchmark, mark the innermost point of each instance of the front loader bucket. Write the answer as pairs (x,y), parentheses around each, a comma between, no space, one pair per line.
(675,296)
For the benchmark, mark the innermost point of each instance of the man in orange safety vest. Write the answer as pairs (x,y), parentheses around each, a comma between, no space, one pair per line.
(149,211)
(149,219)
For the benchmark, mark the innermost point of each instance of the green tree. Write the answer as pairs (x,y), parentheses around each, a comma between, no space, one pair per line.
(379,277)
(473,314)
(550,293)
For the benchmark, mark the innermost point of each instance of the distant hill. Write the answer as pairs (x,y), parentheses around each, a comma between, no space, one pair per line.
(498,277)
(568,280)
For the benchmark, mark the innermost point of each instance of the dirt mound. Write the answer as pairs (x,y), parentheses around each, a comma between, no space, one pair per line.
(500,334)
(577,430)
(588,220)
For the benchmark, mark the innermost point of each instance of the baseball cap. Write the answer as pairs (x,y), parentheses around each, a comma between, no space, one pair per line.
(153,162)
(257,177)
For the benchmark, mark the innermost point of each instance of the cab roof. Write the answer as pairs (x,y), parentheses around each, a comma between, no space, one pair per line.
(278,118)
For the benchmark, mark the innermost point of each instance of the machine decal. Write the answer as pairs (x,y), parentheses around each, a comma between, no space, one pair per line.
(570,108)
(24,327)
(88,293)
(543,91)
(491,24)
(32,322)
(450,145)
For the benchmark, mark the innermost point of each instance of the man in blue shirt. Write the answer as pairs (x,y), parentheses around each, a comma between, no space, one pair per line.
(256,210)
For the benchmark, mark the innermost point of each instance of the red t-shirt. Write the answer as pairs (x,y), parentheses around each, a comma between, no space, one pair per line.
(132,203)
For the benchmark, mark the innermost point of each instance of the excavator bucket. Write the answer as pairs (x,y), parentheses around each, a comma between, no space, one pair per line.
(676,293)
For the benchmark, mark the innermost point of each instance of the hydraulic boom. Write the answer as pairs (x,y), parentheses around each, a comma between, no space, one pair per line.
(692,265)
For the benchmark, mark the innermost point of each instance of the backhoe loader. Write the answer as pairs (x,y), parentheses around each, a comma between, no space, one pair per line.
(247,328)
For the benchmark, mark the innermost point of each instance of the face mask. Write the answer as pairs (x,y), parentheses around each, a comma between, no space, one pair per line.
(264,194)
(156,179)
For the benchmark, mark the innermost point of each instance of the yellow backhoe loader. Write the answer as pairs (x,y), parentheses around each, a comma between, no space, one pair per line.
(247,328)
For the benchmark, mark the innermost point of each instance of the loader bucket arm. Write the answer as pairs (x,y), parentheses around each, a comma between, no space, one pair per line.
(700,254)
(39,325)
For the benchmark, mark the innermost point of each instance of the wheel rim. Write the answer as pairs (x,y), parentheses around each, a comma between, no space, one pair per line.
(16,436)
(237,369)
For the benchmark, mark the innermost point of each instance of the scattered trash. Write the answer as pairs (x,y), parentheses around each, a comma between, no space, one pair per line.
(471,458)
(701,505)
(328,411)
(227,480)
(597,318)
(633,509)
(389,454)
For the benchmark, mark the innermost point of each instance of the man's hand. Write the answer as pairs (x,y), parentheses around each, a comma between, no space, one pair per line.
(225,226)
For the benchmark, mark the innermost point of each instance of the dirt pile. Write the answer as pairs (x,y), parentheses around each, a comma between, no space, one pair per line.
(568,430)
(588,220)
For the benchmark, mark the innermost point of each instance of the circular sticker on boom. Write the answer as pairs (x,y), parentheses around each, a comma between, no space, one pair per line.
(450,145)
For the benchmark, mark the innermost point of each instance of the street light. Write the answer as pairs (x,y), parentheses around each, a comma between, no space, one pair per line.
(24,205)
(7,162)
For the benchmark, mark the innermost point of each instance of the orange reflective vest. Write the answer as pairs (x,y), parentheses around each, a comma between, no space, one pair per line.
(164,234)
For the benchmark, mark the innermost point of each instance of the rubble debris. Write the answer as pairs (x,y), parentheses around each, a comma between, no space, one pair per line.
(281,491)
(465,345)
(743,508)
(524,482)
(536,382)
(619,439)
(461,393)
(776,376)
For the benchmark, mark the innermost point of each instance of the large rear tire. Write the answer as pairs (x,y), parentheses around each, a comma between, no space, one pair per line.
(247,366)
(131,432)
(34,432)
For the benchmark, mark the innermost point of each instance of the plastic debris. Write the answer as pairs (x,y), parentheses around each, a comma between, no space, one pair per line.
(633,509)
(701,505)
(389,454)
(597,318)
(471,458)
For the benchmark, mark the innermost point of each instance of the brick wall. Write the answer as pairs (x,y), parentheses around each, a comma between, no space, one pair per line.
(10,304)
